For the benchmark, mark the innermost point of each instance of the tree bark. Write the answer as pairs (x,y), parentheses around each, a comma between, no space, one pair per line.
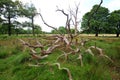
(9,27)
(9,23)
(96,35)
(33,31)
(117,34)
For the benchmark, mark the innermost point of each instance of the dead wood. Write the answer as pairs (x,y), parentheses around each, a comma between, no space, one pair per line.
(66,69)
(83,42)
(35,56)
(89,51)
(48,24)
(80,58)
(67,54)
(44,53)
(38,64)
(101,53)
(49,50)
(67,26)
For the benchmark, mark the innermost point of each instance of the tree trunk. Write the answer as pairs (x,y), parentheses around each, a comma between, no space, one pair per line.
(33,31)
(96,34)
(96,31)
(117,35)
(9,26)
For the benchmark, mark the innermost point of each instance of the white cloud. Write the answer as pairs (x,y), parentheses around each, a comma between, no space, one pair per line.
(113,5)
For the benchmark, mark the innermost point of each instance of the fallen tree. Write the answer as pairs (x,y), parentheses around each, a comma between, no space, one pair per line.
(62,41)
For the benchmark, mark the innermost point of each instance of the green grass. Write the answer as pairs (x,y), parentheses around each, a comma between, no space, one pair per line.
(14,62)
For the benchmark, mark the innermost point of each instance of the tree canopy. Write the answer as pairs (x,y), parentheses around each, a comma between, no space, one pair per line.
(97,22)
(114,21)
(102,21)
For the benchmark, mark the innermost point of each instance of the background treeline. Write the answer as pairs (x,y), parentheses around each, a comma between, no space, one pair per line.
(11,12)
(103,21)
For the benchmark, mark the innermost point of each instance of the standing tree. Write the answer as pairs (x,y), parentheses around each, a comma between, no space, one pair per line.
(114,21)
(9,10)
(97,21)
(29,11)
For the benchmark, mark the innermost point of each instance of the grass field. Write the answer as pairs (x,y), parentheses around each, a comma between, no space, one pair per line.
(14,61)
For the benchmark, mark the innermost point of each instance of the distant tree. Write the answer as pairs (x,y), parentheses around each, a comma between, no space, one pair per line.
(97,22)
(38,29)
(29,11)
(27,25)
(114,21)
(54,32)
(62,29)
(9,10)
(17,27)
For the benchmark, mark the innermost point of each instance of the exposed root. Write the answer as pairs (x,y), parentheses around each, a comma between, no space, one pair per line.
(57,64)
(101,53)
(35,56)
(83,42)
(89,51)
(80,58)
(66,69)
(107,58)
(31,65)
(37,65)
(39,45)
(66,54)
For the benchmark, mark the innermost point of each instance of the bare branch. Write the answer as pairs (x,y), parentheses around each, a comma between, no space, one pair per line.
(35,56)
(38,64)
(67,23)
(50,49)
(48,24)
(66,69)
(62,12)
(24,43)
(80,58)
(101,53)
(89,51)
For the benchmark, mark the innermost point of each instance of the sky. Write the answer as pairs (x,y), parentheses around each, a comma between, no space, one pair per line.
(48,10)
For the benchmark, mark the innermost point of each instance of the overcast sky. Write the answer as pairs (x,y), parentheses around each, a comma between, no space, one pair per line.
(48,9)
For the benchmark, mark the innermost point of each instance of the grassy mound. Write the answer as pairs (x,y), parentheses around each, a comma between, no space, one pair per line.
(14,62)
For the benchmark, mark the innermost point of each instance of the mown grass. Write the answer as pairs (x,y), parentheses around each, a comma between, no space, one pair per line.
(14,62)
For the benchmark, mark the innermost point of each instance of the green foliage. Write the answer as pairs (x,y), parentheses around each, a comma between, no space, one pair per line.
(29,11)
(62,30)
(9,11)
(97,22)
(114,21)
(102,21)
